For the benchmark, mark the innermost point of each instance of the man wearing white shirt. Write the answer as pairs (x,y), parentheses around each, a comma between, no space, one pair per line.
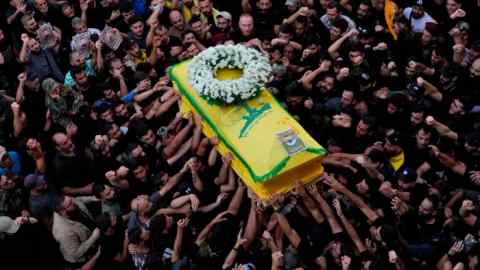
(417,16)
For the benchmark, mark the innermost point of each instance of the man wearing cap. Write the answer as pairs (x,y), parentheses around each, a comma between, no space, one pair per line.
(223,31)
(417,16)
(42,198)
(9,162)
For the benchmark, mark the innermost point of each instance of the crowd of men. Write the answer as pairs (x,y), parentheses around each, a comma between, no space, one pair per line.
(100,170)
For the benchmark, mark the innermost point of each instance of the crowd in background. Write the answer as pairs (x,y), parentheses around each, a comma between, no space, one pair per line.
(100,170)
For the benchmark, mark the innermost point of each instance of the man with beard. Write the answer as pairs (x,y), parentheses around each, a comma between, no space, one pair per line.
(178,24)
(417,16)
(74,229)
(72,169)
(13,200)
(422,229)
(267,19)
(223,31)
(40,62)
(42,197)
(76,60)
(85,85)
(44,13)
(418,151)
(109,198)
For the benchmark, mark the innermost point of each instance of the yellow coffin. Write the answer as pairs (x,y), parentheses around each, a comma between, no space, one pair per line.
(271,150)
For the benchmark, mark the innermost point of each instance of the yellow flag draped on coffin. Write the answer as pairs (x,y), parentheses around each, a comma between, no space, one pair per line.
(271,151)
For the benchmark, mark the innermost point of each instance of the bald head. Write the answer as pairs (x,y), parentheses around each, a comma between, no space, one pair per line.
(177,20)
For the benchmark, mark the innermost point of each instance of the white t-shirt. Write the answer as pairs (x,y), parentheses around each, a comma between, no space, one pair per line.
(418,25)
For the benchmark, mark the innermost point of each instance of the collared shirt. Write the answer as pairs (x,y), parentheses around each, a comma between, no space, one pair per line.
(74,238)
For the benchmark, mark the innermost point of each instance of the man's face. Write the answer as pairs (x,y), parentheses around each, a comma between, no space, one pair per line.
(416,118)
(451,6)
(436,59)
(223,24)
(31,25)
(137,28)
(108,193)
(6,162)
(127,15)
(115,132)
(362,11)
(137,152)
(197,27)
(332,13)
(161,36)
(356,57)
(117,66)
(64,144)
(423,139)
(41,5)
(391,109)
(362,187)
(121,110)
(68,11)
(475,69)
(140,173)
(362,129)
(426,37)
(80,28)
(456,108)
(141,204)
(76,60)
(68,204)
(347,98)
(426,208)
(189,38)
(264,5)
(34,45)
(81,79)
(6,183)
(417,12)
(107,115)
(246,25)
(177,20)
(327,84)
(299,28)
(390,148)
(149,138)
(205,7)
(335,33)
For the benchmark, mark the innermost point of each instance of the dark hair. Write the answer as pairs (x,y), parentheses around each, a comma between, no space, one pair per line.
(98,189)
(59,202)
(333,4)
(287,29)
(76,70)
(195,19)
(341,24)
(134,20)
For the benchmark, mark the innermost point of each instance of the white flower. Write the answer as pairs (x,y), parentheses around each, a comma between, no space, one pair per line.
(203,69)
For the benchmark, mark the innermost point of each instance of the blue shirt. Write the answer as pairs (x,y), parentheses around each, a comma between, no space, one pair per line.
(89,71)
(16,165)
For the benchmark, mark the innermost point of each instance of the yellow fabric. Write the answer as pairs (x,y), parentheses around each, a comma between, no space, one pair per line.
(389,11)
(397,161)
(249,131)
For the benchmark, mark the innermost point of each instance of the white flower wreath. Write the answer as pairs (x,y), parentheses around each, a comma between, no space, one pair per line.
(203,69)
